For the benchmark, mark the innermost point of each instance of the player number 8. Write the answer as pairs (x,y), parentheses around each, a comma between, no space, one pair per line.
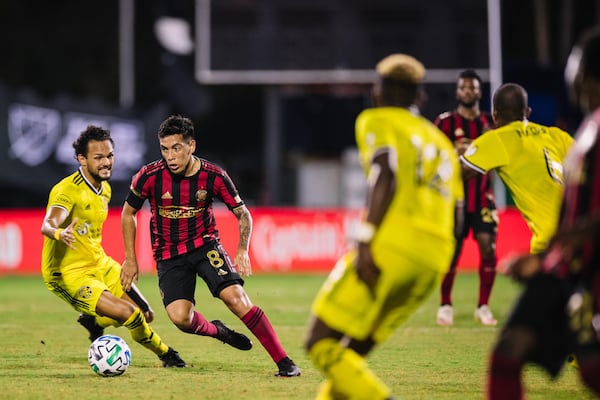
(215,259)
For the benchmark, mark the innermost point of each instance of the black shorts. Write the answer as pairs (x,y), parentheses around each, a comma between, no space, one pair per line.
(484,220)
(542,308)
(177,276)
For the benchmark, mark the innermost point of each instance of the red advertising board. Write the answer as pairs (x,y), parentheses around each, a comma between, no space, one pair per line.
(283,239)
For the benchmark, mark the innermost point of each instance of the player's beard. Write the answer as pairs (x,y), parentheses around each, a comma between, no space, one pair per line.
(99,178)
(470,104)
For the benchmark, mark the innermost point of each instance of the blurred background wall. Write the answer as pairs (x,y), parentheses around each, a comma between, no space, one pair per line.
(286,140)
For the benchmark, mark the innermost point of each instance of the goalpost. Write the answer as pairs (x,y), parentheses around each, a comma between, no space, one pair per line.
(271,78)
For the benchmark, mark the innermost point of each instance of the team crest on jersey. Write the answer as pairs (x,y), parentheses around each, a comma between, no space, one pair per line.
(201,195)
(166,196)
(458,133)
(85,292)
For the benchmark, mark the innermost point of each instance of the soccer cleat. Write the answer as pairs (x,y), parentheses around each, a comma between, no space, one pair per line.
(483,314)
(445,315)
(287,368)
(171,359)
(89,323)
(231,337)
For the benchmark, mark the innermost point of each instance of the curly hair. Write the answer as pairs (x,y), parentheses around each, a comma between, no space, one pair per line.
(92,132)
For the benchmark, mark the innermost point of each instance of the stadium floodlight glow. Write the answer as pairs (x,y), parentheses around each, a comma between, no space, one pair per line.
(174,34)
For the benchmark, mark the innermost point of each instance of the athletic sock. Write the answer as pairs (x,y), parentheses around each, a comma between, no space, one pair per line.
(258,323)
(324,391)
(201,326)
(487,275)
(142,333)
(446,287)
(346,371)
(504,378)
(105,322)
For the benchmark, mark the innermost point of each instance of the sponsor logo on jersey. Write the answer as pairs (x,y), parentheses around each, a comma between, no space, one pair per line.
(175,212)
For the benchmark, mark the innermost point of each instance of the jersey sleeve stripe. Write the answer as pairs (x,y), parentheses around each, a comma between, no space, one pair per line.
(472,166)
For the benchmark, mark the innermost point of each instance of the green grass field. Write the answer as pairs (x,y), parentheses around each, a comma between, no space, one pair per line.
(44,351)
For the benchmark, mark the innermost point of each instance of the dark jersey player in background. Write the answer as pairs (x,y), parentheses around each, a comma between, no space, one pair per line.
(181,189)
(462,126)
(558,312)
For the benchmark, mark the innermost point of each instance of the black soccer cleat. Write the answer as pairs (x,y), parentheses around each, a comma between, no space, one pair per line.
(171,359)
(231,337)
(89,323)
(287,368)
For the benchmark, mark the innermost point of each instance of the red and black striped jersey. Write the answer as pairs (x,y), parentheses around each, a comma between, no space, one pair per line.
(581,198)
(182,217)
(479,192)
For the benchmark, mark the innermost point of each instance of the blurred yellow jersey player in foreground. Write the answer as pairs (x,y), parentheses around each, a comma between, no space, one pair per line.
(405,243)
(74,264)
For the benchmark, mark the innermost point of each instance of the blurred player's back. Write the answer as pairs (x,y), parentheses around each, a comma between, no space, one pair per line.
(427,175)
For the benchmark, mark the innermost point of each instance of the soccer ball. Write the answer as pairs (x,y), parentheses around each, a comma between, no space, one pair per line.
(109,356)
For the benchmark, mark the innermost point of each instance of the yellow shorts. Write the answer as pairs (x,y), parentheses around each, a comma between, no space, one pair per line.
(83,287)
(345,303)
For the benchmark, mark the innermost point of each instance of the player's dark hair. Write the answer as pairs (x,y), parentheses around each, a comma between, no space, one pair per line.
(398,93)
(92,132)
(510,102)
(470,74)
(177,125)
(590,46)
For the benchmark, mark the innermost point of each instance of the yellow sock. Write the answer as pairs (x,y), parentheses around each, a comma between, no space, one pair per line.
(347,371)
(106,322)
(324,391)
(142,333)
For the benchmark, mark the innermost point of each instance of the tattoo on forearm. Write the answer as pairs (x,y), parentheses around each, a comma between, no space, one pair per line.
(245,225)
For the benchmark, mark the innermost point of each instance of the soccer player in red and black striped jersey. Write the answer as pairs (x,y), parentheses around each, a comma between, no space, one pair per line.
(557,314)
(181,189)
(463,125)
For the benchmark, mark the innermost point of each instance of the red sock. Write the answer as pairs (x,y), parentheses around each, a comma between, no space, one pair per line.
(487,275)
(504,378)
(201,326)
(258,323)
(447,284)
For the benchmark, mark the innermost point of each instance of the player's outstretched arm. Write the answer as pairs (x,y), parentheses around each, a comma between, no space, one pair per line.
(54,218)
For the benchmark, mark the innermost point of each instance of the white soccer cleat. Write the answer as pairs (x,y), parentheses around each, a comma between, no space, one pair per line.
(484,315)
(445,315)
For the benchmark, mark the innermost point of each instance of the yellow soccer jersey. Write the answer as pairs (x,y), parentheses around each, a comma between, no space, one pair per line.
(428,179)
(76,195)
(528,158)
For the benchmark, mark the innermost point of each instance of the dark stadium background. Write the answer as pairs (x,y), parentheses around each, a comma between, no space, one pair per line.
(65,55)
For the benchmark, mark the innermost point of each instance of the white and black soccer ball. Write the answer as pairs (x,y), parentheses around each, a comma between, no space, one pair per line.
(109,355)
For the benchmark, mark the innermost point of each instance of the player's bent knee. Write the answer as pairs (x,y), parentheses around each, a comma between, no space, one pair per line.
(181,313)
(236,299)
